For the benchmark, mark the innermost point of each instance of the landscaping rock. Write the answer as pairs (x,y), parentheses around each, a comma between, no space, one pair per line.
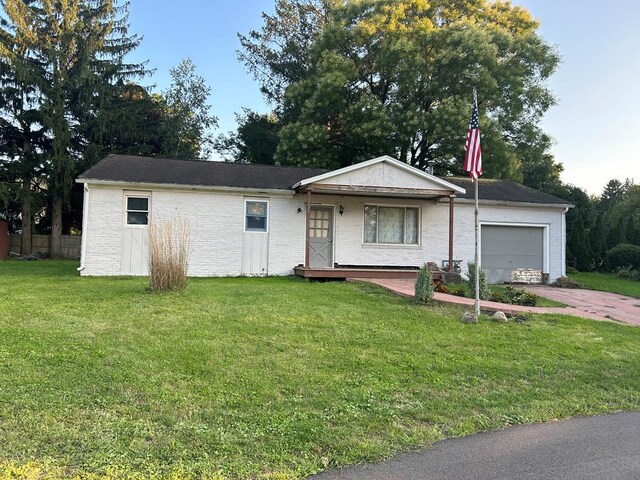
(469,317)
(433,267)
(566,282)
(500,317)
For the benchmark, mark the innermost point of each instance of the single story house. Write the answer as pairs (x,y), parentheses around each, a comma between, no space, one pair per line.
(378,217)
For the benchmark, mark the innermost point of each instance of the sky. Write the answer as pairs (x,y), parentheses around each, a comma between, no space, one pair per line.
(594,124)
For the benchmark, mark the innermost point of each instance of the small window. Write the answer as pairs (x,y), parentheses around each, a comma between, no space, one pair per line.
(391,225)
(256,216)
(137,210)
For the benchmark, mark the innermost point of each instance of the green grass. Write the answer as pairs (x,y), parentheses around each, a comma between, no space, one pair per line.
(607,282)
(272,378)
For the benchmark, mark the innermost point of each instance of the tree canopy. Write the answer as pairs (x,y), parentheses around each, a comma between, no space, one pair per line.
(395,77)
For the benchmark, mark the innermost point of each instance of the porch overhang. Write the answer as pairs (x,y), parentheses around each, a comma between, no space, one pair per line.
(376,191)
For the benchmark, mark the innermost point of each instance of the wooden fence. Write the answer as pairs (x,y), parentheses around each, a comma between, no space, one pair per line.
(71,244)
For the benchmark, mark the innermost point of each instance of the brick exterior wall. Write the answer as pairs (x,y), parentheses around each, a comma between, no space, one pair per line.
(217,222)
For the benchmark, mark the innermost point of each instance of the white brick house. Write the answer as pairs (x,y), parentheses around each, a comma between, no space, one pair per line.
(378,217)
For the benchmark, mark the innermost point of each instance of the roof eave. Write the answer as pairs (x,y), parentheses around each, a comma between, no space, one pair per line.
(373,161)
(514,204)
(181,186)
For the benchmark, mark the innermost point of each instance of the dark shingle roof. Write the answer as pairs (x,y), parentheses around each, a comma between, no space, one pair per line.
(132,169)
(504,191)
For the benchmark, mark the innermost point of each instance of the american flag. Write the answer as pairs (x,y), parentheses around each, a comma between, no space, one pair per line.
(473,156)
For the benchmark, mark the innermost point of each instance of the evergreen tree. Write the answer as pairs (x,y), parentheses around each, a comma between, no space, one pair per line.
(616,235)
(22,138)
(255,140)
(611,195)
(75,53)
(578,246)
(629,230)
(598,243)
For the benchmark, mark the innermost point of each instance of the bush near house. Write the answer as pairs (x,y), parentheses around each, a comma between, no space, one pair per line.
(485,289)
(424,285)
(514,296)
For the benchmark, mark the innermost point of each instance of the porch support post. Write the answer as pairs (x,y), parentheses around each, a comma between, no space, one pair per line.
(451,197)
(308,230)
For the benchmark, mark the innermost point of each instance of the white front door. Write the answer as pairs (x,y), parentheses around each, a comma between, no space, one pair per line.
(321,237)
(255,239)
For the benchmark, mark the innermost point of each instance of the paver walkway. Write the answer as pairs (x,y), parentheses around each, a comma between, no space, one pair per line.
(582,303)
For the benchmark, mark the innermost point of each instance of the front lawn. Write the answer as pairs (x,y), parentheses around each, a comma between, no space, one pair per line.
(607,282)
(272,378)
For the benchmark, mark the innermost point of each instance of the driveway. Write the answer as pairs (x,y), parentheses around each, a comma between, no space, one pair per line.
(603,447)
(608,305)
(582,303)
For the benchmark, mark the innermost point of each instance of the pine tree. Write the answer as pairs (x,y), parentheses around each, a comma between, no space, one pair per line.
(616,235)
(578,245)
(629,230)
(598,243)
(75,53)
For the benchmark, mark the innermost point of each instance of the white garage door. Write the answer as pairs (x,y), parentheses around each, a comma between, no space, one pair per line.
(506,248)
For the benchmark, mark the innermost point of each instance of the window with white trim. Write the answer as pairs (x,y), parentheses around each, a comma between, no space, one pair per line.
(255,216)
(137,210)
(391,225)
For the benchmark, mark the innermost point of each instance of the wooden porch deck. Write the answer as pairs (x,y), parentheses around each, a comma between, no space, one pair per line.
(344,273)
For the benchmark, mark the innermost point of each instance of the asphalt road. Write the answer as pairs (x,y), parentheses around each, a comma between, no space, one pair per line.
(606,447)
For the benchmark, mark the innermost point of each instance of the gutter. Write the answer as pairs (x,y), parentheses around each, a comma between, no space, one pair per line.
(183,187)
(510,203)
(85,214)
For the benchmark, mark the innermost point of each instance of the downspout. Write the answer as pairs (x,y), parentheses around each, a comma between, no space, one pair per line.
(85,214)
(563,271)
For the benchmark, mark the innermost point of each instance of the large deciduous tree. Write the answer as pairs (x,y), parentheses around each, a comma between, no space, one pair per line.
(188,120)
(277,55)
(381,76)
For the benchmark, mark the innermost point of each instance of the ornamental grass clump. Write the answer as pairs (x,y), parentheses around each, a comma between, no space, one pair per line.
(168,255)
(424,286)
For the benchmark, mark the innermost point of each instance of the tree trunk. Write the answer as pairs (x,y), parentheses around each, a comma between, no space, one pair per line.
(56,229)
(25,243)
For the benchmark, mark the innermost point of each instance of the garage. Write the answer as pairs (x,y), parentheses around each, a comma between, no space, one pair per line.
(506,248)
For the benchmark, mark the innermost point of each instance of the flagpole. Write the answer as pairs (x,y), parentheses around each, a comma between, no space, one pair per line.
(473,165)
(477,255)
(476,181)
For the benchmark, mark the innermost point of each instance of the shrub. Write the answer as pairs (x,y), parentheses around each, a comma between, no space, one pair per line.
(566,282)
(459,291)
(424,285)
(628,272)
(168,255)
(515,296)
(499,297)
(441,287)
(485,291)
(624,255)
(518,296)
